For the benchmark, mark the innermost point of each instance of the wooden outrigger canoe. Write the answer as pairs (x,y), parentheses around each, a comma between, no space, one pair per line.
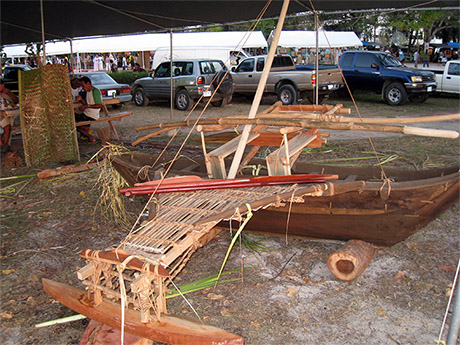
(371,210)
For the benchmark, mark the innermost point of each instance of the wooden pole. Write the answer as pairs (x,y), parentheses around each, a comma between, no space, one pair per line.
(43,32)
(171,104)
(260,90)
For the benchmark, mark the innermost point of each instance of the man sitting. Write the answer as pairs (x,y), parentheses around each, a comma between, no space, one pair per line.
(6,98)
(91,107)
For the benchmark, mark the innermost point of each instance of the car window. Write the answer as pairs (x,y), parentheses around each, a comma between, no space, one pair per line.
(260,64)
(163,70)
(11,74)
(347,60)
(364,60)
(246,66)
(454,69)
(209,67)
(388,60)
(282,61)
(181,68)
(100,78)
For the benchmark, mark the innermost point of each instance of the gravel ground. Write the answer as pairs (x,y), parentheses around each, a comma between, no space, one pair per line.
(401,298)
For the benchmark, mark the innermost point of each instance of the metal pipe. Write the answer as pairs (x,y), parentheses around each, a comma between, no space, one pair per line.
(454,327)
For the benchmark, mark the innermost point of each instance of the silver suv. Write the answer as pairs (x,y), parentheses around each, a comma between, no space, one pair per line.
(191,79)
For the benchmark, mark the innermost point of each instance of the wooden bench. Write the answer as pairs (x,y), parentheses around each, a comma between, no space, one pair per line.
(105,134)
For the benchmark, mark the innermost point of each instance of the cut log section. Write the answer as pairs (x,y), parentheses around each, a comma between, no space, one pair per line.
(351,259)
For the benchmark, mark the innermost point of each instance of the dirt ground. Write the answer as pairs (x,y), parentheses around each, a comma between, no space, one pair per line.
(401,298)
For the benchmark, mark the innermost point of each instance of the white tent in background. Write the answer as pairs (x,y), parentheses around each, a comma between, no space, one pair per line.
(326,39)
(148,42)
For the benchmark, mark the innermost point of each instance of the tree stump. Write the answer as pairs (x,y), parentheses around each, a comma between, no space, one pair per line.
(99,334)
(351,259)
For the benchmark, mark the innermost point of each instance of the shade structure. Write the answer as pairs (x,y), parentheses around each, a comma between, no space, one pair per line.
(326,39)
(148,42)
(21,20)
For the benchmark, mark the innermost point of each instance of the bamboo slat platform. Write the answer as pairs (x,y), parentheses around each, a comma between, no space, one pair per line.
(140,269)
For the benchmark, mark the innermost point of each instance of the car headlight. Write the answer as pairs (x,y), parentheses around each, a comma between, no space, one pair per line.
(416,78)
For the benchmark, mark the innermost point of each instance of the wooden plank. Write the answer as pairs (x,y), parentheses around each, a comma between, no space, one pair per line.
(279,162)
(113,117)
(170,329)
(118,256)
(216,157)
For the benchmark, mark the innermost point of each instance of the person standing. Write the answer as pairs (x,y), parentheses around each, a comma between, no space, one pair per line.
(90,108)
(425,58)
(415,58)
(124,63)
(96,63)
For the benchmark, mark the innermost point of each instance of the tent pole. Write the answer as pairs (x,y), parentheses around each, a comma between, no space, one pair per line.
(171,70)
(258,96)
(43,33)
(72,60)
(317,60)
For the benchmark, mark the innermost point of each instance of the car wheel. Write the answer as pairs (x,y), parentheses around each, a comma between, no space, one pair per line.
(418,97)
(395,94)
(222,102)
(140,99)
(312,99)
(227,83)
(287,94)
(183,100)
(218,103)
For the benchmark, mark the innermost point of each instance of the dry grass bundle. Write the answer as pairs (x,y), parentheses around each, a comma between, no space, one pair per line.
(109,182)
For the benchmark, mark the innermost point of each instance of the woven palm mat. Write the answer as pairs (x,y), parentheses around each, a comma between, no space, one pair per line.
(183,218)
(47,117)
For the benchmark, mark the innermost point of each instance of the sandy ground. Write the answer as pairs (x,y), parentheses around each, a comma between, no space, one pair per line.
(401,298)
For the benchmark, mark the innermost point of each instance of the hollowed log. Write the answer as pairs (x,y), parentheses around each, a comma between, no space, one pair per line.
(351,259)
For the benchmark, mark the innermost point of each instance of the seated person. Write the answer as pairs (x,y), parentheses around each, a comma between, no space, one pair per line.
(90,108)
(6,98)
(76,89)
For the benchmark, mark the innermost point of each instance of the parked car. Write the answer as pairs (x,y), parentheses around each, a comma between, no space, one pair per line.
(192,78)
(449,80)
(286,80)
(11,75)
(108,86)
(383,73)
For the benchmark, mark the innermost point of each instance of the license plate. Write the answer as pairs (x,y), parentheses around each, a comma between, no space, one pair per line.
(207,93)
(111,93)
(330,87)
(429,88)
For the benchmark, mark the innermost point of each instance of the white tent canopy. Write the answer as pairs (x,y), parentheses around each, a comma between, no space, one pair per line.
(326,39)
(148,42)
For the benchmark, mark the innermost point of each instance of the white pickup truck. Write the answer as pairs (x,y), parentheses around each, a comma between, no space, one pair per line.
(449,80)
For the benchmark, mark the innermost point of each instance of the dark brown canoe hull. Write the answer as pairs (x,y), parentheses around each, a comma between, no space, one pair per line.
(383,218)
(362,215)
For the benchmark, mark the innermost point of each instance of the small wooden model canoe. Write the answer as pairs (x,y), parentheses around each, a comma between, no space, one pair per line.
(170,330)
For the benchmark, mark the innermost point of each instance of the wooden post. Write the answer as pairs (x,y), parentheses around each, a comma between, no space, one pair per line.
(351,259)
(258,96)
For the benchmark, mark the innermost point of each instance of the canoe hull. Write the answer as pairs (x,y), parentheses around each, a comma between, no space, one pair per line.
(361,215)
(377,213)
